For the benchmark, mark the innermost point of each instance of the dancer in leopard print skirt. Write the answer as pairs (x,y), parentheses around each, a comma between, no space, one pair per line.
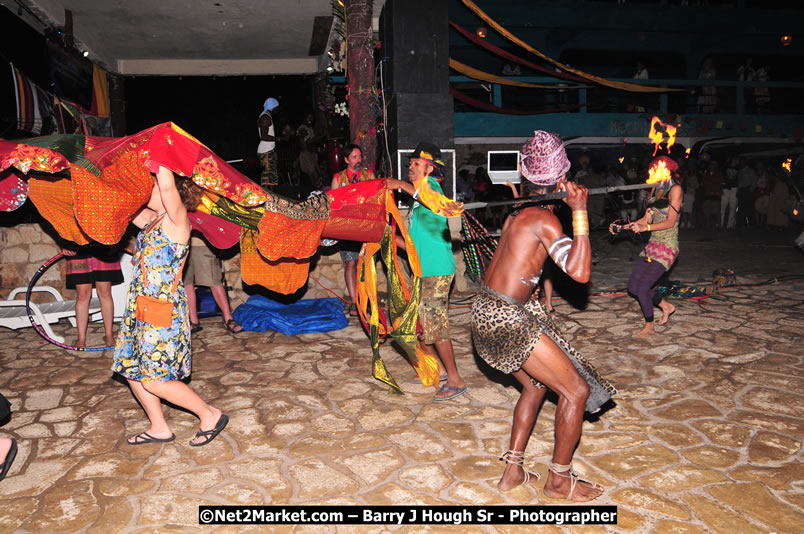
(512,332)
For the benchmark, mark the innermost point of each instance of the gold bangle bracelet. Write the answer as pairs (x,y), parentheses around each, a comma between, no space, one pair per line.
(580,223)
(648,227)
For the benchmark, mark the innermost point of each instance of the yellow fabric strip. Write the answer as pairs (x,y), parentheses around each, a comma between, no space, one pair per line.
(480,75)
(633,87)
(101,87)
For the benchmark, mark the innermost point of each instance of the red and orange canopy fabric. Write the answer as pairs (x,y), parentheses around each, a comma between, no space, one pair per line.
(103,181)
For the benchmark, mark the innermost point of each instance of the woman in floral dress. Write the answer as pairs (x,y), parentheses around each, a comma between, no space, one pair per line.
(155,359)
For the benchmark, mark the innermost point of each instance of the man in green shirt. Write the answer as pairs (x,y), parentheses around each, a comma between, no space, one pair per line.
(430,234)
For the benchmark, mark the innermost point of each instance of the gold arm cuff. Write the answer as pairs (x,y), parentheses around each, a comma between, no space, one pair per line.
(580,223)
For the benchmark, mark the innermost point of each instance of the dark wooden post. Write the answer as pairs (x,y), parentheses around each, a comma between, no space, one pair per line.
(117,104)
(360,71)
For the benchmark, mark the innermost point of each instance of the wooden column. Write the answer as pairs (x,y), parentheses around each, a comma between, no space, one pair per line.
(360,71)
(117,104)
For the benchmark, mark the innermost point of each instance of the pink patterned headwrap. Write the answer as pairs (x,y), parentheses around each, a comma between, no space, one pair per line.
(543,159)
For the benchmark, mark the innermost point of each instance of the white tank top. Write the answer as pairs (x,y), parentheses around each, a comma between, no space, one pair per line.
(265,146)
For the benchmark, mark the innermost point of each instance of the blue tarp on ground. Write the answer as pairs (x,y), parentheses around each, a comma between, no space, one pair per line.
(259,314)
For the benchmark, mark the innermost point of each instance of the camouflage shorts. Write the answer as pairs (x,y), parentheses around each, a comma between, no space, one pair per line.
(269,176)
(434,308)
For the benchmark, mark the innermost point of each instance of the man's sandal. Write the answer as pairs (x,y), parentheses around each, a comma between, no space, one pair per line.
(518,458)
(232,326)
(566,471)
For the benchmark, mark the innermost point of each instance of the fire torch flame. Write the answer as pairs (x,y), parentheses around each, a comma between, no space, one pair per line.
(657,136)
(659,172)
(786,165)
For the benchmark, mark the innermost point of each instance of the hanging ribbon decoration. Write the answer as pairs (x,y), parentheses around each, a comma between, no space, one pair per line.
(464,69)
(38,328)
(633,87)
(466,99)
(511,57)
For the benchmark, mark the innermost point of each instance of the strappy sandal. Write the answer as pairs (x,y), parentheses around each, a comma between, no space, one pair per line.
(566,471)
(209,435)
(231,325)
(518,458)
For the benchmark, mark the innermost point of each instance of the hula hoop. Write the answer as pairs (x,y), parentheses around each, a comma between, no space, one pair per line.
(38,328)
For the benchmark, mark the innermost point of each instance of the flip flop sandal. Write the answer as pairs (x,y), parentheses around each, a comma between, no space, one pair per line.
(12,453)
(456,392)
(209,435)
(231,325)
(144,437)
(195,327)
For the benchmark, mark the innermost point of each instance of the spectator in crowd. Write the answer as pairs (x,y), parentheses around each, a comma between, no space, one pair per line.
(350,250)
(204,269)
(762,195)
(266,150)
(762,94)
(728,196)
(641,72)
(712,189)
(746,184)
(746,72)
(287,150)
(707,99)
(310,175)
(464,185)
(777,218)
(99,267)
(690,184)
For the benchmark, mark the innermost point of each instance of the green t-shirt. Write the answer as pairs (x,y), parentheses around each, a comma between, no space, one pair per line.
(430,234)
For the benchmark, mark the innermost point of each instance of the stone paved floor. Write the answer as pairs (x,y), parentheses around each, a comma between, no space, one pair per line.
(705,436)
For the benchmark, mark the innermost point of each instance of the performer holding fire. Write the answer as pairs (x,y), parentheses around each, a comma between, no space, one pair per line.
(514,334)
(661,219)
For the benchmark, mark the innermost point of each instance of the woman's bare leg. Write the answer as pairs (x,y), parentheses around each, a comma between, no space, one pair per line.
(83,292)
(153,409)
(180,394)
(104,290)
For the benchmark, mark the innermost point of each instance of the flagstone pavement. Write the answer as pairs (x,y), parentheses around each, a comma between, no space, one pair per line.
(705,435)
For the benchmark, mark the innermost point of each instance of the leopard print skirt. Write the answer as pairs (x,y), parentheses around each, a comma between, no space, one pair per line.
(505,333)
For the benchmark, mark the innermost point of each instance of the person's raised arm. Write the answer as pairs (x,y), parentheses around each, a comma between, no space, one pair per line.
(513,189)
(407,187)
(173,205)
(573,256)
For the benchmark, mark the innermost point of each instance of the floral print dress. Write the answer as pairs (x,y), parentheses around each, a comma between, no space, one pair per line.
(144,352)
